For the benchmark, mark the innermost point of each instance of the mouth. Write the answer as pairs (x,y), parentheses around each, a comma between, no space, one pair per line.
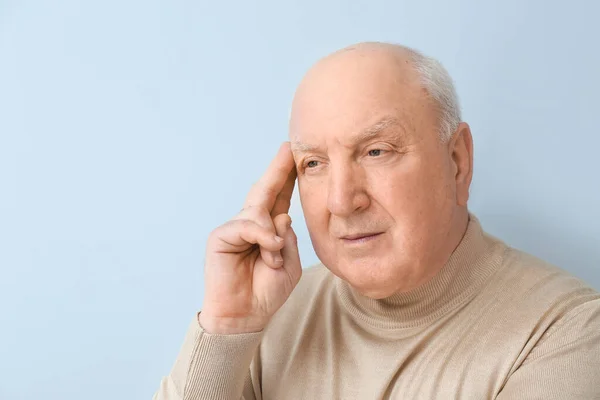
(360,237)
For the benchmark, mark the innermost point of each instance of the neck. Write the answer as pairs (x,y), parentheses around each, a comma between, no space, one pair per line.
(440,254)
(448,244)
(461,277)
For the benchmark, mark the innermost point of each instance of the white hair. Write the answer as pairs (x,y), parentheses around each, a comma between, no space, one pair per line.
(436,80)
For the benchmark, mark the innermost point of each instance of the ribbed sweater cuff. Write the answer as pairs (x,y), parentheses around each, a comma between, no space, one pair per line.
(212,366)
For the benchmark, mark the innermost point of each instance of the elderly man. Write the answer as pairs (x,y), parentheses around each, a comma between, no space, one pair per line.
(413,300)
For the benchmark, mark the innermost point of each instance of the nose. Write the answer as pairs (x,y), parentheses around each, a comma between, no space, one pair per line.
(346,192)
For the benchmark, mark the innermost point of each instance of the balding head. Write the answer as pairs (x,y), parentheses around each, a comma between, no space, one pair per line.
(365,128)
(425,73)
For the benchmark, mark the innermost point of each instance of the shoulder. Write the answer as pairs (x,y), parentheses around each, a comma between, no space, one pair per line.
(548,297)
(537,280)
(562,329)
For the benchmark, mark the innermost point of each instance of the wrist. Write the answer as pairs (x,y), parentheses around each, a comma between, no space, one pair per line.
(230,326)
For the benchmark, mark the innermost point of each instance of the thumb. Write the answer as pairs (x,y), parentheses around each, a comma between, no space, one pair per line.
(289,252)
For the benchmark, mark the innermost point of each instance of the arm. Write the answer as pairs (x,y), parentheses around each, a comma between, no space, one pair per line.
(251,267)
(211,366)
(565,364)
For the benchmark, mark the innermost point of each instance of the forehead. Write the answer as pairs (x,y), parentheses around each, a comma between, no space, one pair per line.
(343,98)
(388,127)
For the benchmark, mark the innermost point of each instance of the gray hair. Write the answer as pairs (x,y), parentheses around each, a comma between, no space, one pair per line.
(436,80)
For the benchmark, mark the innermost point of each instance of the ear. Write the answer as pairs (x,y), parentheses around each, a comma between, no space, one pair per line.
(460,148)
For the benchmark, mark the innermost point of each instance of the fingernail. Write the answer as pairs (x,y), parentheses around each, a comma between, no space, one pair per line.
(278,239)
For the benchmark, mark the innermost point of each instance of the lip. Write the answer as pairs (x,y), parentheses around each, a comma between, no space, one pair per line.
(360,236)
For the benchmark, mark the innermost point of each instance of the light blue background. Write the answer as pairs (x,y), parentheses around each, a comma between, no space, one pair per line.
(130,129)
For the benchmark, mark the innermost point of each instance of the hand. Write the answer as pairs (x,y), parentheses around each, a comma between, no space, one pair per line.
(252,262)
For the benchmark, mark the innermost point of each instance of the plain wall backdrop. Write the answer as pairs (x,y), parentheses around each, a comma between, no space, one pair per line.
(130,129)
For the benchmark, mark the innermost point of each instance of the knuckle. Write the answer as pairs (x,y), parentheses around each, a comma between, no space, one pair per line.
(258,214)
(246,224)
(251,212)
(215,234)
(245,213)
(218,230)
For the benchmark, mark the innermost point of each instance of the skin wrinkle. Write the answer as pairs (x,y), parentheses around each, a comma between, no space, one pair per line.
(414,191)
(370,133)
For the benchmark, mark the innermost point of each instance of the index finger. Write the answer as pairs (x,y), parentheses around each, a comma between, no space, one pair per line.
(264,192)
(284,199)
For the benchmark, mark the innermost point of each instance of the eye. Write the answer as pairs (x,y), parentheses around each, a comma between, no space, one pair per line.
(375,152)
(312,164)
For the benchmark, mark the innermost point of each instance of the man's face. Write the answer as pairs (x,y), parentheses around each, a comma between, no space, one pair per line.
(376,183)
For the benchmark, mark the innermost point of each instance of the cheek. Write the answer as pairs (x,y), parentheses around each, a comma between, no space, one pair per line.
(412,197)
(420,184)
(314,205)
(402,190)
(316,216)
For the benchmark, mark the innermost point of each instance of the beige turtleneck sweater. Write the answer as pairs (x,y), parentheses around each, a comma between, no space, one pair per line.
(494,323)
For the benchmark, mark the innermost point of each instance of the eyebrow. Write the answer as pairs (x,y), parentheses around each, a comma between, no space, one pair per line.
(369,133)
(374,130)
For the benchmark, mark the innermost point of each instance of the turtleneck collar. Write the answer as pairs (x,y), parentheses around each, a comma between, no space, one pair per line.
(473,261)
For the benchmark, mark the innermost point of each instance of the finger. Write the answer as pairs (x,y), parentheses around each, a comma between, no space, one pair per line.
(259,215)
(262,217)
(284,198)
(237,236)
(290,253)
(264,193)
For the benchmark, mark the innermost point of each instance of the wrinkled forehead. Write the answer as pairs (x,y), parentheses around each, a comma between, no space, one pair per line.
(344,102)
(351,90)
